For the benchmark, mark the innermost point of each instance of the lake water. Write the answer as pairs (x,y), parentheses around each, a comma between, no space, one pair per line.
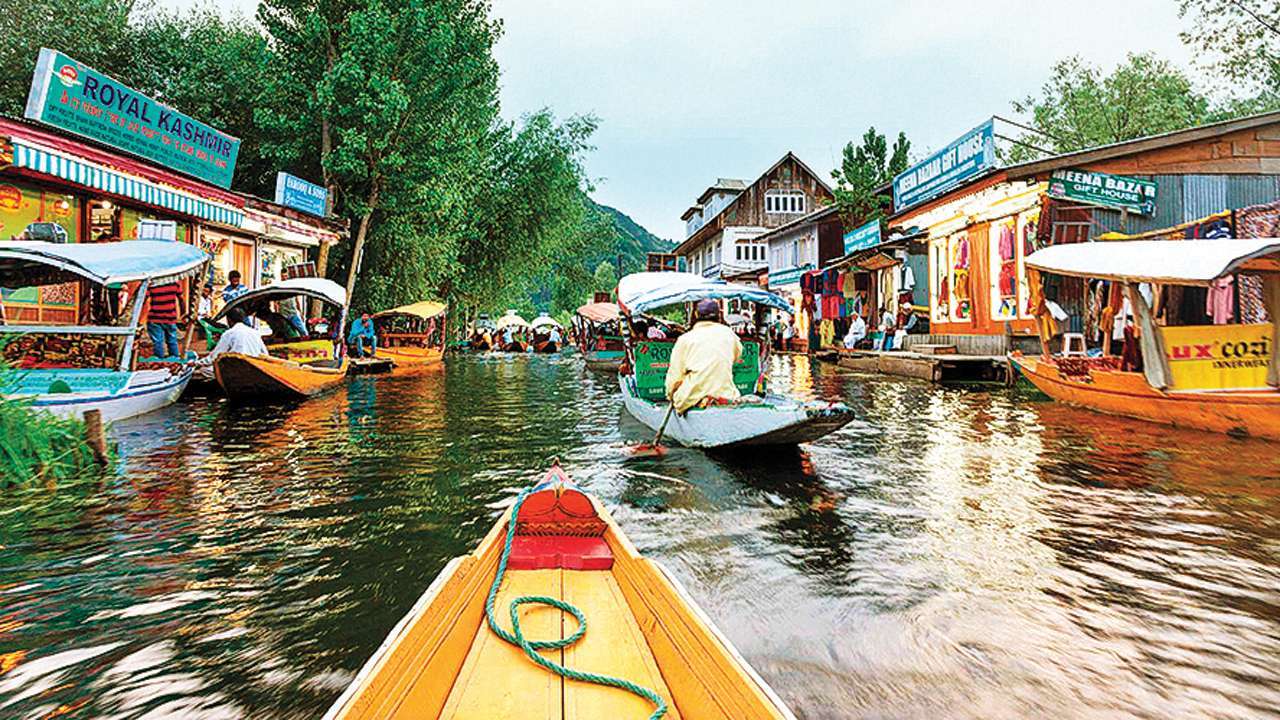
(958,553)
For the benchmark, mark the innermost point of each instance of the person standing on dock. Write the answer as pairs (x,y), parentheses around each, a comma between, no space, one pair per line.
(701,368)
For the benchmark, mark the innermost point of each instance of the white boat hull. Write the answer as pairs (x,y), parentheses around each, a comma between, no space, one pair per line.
(775,420)
(144,393)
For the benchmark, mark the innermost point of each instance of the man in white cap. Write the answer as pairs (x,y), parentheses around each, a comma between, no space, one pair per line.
(701,368)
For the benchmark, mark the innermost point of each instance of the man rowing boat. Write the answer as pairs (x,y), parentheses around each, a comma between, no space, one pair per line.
(702,360)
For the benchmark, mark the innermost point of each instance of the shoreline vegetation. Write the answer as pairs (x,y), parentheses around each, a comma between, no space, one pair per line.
(37,445)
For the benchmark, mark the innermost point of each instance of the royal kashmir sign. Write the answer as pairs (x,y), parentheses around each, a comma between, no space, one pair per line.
(971,155)
(74,97)
(867,236)
(1113,191)
(294,192)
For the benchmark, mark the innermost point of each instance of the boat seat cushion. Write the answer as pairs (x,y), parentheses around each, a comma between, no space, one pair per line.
(544,552)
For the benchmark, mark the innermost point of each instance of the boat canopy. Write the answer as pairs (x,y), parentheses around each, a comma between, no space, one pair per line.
(25,263)
(424,310)
(545,320)
(1185,262)
(510,319)
(318,288)
(599,312)
(647,291)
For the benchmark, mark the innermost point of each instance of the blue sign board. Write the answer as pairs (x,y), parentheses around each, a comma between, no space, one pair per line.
(971,155)
(789,276)
(294,192)
(862,238)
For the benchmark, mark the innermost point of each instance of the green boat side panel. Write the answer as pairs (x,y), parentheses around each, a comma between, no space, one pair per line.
(653,357)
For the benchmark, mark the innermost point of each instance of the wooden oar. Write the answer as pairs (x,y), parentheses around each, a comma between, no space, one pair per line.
(655,448)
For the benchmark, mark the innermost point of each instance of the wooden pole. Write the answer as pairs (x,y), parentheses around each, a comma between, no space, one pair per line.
(96,436)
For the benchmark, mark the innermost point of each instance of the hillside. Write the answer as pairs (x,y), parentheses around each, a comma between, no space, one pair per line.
(634,242)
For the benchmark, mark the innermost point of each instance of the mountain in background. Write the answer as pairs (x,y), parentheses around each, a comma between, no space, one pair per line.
(634,242)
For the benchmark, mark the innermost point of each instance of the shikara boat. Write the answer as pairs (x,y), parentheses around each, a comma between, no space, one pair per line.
(520,331)
(445,659)
(758,417)
(1220,378)
(92,363)
(543,340)
(599,339)
(298,366)
(412,335)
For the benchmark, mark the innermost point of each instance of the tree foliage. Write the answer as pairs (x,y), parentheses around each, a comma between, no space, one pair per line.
(391,104)
(1240,39)
(865,168)
(1081,106)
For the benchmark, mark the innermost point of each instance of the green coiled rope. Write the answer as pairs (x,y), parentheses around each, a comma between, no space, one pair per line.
(531,647)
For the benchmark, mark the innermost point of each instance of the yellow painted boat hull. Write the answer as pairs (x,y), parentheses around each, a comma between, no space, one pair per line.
(443,661)
(410,356)
(1238,412)
(247,378)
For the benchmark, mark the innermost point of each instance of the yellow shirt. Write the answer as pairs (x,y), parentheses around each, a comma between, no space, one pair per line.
(702,363)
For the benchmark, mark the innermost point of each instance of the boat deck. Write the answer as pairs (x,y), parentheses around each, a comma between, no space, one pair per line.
(498,681)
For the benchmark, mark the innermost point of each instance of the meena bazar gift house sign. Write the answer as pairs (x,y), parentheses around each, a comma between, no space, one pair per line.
(74,97)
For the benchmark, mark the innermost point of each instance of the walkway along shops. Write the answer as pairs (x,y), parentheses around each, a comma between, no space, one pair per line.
(981,226)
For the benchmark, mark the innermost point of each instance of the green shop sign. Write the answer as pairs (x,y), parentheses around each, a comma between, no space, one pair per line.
(789,276)
(74,97)
(1113,191)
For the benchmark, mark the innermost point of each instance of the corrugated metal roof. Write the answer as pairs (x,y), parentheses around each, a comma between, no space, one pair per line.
(1183,198)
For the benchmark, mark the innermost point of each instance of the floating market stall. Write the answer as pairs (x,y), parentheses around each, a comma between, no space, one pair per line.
(1221,378)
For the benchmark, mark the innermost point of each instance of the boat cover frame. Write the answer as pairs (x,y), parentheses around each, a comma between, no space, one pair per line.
(321,289)
(24,263)
(647,291)
(1196,262)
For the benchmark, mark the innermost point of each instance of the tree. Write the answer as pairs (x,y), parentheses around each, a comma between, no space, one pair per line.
(1239,38)
(864,169)
(1080,107)
(605,278)
(96,32)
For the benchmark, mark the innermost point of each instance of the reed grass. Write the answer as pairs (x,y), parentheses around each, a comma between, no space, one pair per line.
(35,444)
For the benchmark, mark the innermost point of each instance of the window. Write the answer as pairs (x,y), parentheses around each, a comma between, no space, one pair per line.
(784,202)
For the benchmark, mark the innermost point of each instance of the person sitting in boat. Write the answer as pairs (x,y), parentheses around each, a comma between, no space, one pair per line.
(857,331)
(239,338)
(362,335)
(281,328)
(701,369)
(555,336)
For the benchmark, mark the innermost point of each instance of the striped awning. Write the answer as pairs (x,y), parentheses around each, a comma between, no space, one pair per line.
(60,165)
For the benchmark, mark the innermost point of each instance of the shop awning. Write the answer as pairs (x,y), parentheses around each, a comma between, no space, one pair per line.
(646,291)
(31,156)
(1178,262)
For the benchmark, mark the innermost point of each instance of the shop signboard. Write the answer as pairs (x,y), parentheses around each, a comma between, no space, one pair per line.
(867,236)
(969,156)
(789,276)
(1113,191)
(1218,357)
(292,191)
(76,98)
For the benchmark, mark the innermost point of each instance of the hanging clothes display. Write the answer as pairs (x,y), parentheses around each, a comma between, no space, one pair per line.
(1220,304)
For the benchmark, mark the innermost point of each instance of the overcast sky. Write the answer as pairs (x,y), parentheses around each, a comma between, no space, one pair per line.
(689,90)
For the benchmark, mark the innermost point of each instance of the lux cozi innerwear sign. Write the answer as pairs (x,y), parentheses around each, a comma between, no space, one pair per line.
(74,97)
